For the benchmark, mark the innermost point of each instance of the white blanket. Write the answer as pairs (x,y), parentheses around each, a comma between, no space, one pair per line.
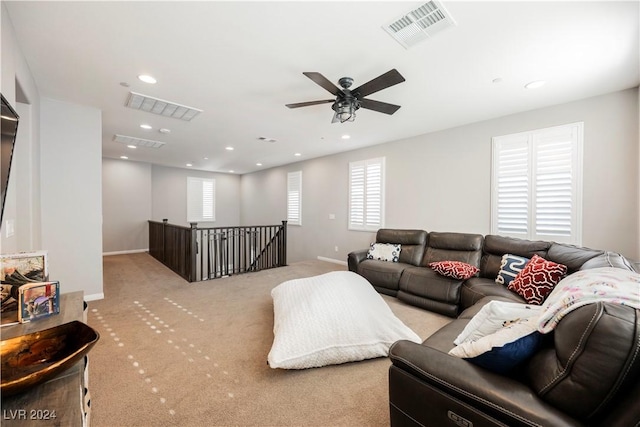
(329,319)
(606,284)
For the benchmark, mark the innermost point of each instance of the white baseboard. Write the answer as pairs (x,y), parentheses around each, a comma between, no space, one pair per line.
(94,297)
(335,261)
(134,251)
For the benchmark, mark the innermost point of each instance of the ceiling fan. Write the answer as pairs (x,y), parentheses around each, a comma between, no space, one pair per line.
(349,100)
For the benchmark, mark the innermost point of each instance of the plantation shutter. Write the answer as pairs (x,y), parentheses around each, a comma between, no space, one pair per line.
(294,198)
(536,191)
(201,199)
(555,183)
(366,194)
(512,186)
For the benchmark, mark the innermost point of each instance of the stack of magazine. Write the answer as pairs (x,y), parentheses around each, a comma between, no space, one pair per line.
(25,289)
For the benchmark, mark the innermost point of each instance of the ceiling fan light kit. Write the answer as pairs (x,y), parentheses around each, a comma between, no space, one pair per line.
(348,101)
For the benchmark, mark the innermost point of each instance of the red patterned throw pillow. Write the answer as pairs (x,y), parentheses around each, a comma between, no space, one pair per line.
(455,269)
(537,279)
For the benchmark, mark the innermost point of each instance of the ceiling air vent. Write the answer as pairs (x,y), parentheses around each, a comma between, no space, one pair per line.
(420,24)
(138,142)
(161,107)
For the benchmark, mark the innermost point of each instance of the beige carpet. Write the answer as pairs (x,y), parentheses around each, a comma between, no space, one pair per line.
(174,353)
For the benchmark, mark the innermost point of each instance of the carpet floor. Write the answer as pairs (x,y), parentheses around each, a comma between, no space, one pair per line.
(178,354)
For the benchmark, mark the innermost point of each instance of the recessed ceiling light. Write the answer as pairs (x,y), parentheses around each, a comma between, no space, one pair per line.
(258,164)
(297,154)
(228,148)
(189,164)
(231,171)
(206,158)
(132,146)
(164,130)
(534,84)
(147,79)
(346,136)
(124,157)
(145,126)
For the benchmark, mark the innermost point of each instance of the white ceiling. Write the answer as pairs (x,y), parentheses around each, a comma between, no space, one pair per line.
(241,62)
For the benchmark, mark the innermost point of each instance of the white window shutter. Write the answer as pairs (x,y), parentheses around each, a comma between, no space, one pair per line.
(294,198)
(555,187)
(201,194)
(537,184)
(511,186)
(366,194)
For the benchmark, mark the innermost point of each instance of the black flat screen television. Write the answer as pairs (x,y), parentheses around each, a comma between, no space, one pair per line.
(8,129)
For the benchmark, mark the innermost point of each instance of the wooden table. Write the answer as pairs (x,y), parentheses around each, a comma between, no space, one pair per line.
(62,401)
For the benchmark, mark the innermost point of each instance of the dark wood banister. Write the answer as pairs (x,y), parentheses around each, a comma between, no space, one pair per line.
(211,252)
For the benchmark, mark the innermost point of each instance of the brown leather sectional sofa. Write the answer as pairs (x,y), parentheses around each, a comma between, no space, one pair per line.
(587,372)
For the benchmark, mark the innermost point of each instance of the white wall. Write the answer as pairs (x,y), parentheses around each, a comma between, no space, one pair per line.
(126,205)
(169,196)
(23,196)
(441,181)
(71,153)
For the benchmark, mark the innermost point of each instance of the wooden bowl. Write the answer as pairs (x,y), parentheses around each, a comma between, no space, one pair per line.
(29,360)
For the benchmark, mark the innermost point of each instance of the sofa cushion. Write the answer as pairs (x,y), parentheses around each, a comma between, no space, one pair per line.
(571,256)
(476,288)
(413,243)
(382,274)
(454,269)
(510,266)
(594,359)
(427,283)
(537,279)
(453,247)
(609,259)
(389,252)
(496,246)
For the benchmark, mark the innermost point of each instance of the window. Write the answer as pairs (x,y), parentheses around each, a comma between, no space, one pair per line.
(201,194)
(366,194)
(294,198)
(537,184)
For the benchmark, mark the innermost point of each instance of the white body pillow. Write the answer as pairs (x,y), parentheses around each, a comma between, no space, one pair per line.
(329,319)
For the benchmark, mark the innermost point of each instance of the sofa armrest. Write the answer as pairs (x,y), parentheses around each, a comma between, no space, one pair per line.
(356,257)
(502,398)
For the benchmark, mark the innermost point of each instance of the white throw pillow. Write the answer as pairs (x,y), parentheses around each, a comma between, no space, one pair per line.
(329,319)
(385,251)
(496,324)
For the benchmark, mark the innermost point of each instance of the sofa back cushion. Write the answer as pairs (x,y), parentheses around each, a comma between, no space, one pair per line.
(496,246)
(571,256)
(453,247)
(610,259)
(413,243)
(594,361)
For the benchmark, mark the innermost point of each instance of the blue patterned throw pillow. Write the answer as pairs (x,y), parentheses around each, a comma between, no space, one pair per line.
(510,266)
(384,252)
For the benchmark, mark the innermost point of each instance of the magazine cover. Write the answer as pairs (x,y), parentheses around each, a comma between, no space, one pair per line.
(16,270)
(36,300)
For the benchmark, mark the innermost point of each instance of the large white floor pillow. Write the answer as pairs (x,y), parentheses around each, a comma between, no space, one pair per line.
(329,319)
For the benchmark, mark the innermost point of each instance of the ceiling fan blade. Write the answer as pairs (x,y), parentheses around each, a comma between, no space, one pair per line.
(381,107)
(388,79)
(321,80)
(306,104)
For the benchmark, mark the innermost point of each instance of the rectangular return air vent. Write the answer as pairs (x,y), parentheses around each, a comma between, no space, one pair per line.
(161,107)
(138,142)
(420,24)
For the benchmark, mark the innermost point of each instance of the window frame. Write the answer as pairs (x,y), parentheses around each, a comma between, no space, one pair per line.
(295,205)
(535,142)
(199,204)
(371,204)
